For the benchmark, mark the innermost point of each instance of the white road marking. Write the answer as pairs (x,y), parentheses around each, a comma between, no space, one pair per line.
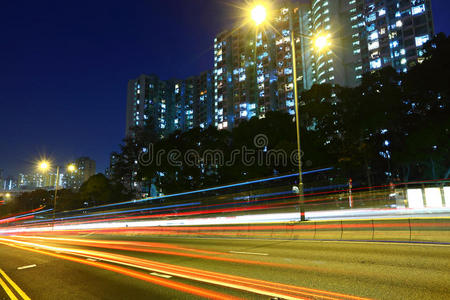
(251,253)
(26,267)
(161,275)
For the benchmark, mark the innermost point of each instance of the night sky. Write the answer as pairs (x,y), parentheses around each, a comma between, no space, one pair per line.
(64,67)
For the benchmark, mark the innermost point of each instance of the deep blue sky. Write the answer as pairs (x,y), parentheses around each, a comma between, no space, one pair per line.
(64,67)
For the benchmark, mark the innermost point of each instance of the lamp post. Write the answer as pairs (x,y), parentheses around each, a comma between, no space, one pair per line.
(45,166)
(321,41)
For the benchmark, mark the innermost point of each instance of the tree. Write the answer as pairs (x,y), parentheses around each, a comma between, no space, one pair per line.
(98,190)
(126,165)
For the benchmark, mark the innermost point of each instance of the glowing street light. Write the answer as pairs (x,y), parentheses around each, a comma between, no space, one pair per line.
(321,42)
(71,168)
(259,14)
(44,165)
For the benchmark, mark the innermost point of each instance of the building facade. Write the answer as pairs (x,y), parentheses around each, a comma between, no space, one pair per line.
(39,180)
(148,97)
(253,66)
(171,104)
(394,33)
(253,71)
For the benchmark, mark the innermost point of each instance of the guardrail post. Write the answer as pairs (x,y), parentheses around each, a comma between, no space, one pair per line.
(373,231)
(342,230)
(315,229)
(409,223)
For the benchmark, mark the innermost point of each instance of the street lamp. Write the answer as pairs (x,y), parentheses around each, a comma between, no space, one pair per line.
(71,168)
(321,41)
(44,166)
(259,14)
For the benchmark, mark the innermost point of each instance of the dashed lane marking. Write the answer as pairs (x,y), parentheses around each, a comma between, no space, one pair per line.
(250,253)
(26,267)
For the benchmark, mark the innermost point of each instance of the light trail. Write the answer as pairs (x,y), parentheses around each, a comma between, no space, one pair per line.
(225,210)
(107,243)
(229,223)
(211,189)
(126,211)
(246,284)
(185,288)
(24,215)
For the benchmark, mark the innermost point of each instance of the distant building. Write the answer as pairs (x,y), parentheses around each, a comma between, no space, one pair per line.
(111,168)
(8,184)
(170,104)
(84,168)
(192,104)
(39,180)
(148,97)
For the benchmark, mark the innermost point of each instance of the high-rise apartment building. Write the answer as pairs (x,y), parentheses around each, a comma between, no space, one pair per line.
(253,70)
(395,31)
(172,104)
(148,97)
(368,35)
(340,21)
(253,66)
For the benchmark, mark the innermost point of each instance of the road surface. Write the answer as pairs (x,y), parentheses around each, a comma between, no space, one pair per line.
(143,267)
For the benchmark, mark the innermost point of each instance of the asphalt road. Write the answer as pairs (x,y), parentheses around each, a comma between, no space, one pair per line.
(142,267)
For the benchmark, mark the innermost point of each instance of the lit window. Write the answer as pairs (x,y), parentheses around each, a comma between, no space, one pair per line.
(420,40)
(394,44)
(371,17)
(374,45)
(418,9)
(373,36)
(375,64)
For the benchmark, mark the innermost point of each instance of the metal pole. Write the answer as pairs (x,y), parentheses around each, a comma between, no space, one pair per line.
(297,125)
(350,198)
(56,194)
